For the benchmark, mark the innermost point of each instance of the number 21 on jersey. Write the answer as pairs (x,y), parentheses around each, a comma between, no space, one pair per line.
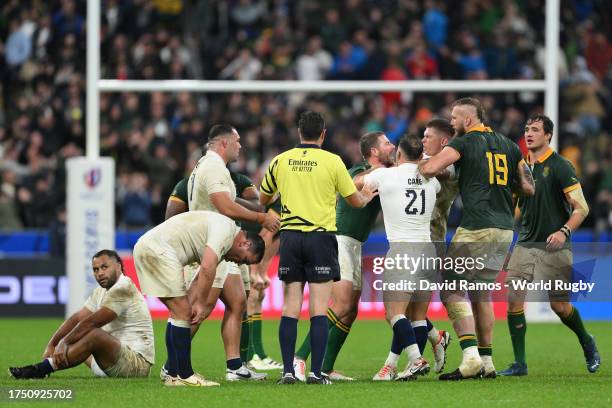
(498,168)
(412,208)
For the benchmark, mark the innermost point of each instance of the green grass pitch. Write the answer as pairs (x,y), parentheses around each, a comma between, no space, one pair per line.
(557,373)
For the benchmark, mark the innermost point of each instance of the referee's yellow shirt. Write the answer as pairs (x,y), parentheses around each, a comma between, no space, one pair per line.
(307,179)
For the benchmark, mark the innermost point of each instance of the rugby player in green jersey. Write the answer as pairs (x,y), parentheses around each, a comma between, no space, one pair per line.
(489,165)
(543,252)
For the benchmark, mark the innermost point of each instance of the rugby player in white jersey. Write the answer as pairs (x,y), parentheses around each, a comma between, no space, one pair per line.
(407,200)
(211,188)
(112,333)
(160,255)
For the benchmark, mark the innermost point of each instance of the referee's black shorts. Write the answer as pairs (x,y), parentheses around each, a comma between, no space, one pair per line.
(308,257)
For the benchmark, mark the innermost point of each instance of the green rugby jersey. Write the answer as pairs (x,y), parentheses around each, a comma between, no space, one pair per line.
(242,183)
(547,211)
(179,192)
(357,222)
(487,169)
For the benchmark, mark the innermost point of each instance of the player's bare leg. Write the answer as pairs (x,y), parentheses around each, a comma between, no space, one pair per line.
(484,318)
(97,343)
(460,314)
(234,298)
(258,358)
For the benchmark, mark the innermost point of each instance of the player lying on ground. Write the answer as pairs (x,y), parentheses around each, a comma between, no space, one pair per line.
(160,256)
(407,225)
(543,251)
(112,333)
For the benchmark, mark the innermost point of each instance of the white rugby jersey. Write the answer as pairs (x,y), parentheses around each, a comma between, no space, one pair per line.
(132,326)
(209,176)
(407,200)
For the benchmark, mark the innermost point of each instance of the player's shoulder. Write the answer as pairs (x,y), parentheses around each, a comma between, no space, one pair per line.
(359,167)
(561,163)
(123,288)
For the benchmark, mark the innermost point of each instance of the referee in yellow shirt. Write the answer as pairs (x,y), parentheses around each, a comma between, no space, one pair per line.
(308,178)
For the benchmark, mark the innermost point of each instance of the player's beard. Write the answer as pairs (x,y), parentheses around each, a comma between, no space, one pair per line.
(460,131)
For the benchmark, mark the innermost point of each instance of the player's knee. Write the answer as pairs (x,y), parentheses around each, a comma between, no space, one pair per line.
(236,305)
(561,309)
(458,310)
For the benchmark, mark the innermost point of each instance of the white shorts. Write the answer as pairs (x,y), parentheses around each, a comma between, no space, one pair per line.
(223,269)
(160,272)
(129,364)
(349,258)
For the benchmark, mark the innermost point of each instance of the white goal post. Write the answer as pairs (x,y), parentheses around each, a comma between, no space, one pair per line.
(95,85)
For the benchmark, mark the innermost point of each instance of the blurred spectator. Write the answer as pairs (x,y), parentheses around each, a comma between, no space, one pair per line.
(157,137)
(435,23)
(245,67)
(57,234)
(136,202)
(9,217)
(315,62)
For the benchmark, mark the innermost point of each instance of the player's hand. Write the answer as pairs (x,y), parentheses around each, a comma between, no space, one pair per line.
(60,355)
(48,352)
(197,313)
(555,241)
(368,192)
(271,221)
(266,281)
(257,282)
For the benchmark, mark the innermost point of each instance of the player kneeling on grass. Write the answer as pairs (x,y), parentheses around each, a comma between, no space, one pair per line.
(112,333)
(160,255)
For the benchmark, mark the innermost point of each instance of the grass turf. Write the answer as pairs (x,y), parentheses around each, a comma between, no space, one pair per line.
(557,373)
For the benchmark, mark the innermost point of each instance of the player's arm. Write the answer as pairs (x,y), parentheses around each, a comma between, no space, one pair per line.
(96,319)
(358,179)
(206,276)
(361,198)
(438,163)
(580,209)
(175,206)
(250,199)
(177,202)
(525,182)
(228,207)
(446,174)
(64,329)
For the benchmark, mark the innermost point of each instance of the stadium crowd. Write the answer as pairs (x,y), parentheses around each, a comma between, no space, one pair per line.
(156,138)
